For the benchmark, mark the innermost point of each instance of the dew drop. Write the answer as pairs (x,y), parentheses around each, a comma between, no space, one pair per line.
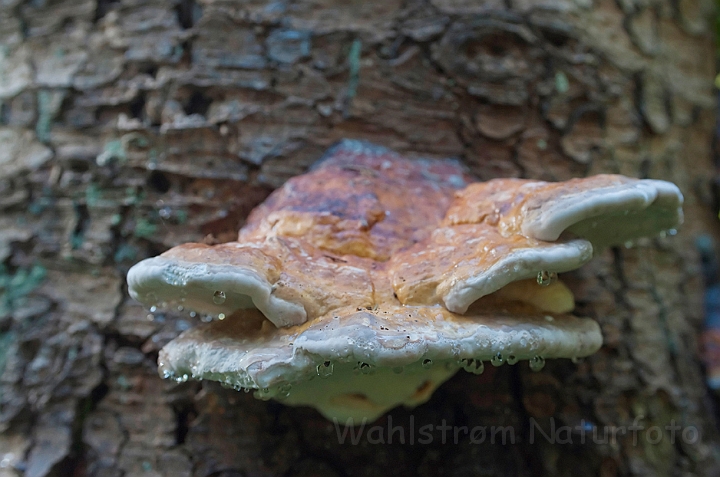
(283,391)
(325,369)
(427,363)
(537,363)
(512,359)
(545,278)
(549,318)
(153,309)
(497,360)
(474,366)
(150,317)
(219,297)
(193,314)
(479,367)
(221,316)
(263,394)
(180,308)
(366,368)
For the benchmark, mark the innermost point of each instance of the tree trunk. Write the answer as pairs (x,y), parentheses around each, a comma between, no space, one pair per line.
(129,127)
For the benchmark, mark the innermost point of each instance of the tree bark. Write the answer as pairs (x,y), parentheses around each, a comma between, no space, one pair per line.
(129,127)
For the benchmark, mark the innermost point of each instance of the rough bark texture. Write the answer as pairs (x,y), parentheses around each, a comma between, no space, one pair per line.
(129,127)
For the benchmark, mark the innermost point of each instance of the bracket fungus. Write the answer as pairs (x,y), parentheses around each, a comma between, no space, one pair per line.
(369,281)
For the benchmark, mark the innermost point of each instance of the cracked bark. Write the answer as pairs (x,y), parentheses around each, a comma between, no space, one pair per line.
(128,127)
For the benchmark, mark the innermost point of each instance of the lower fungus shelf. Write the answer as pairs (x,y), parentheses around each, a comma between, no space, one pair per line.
(367,363)
(346,393)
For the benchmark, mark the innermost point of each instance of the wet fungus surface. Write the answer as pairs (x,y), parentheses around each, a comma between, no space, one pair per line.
(369,281)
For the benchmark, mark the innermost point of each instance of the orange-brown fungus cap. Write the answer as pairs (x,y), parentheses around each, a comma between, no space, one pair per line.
(385,275)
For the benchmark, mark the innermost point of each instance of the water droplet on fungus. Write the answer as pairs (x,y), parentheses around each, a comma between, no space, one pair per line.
(537,363)
(325,369)
(545,278)
(219,297)
(497,360)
